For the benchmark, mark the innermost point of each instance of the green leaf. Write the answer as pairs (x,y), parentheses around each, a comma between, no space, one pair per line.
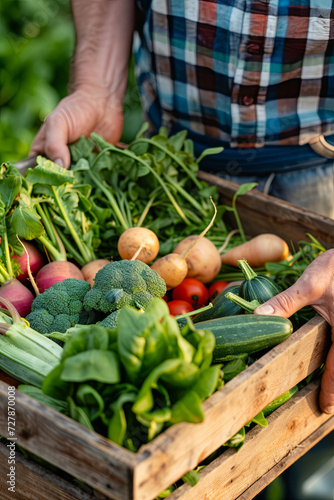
(9,189)
(233,368)
(48,172)
(207,382)
(209,151)
(94,364)
(117,423)
(87,396)
(37,393)
(237,440)
(192,477)
(79,414)
(259,419)
(142,340)
(188,409)
(244,188)
(81,149)
(26,223)
(54,386)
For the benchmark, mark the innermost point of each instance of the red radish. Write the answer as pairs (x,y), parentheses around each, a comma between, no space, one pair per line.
(173,267)
(57,271)
(89,270)
(35,259)
(19,295)
(138,243)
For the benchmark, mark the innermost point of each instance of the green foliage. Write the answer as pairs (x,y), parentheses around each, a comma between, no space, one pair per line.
(36,44)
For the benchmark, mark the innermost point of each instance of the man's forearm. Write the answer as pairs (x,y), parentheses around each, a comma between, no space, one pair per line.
(104,30)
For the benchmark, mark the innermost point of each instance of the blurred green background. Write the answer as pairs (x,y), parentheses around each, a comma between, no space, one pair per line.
(36,45)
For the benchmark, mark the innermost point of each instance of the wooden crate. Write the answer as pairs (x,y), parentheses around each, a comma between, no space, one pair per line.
(116,473)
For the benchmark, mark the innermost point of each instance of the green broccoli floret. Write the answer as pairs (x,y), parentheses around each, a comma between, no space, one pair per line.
(110,321)
(124,283)
(60,307)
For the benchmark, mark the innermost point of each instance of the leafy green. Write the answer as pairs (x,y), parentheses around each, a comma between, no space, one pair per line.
(133,382)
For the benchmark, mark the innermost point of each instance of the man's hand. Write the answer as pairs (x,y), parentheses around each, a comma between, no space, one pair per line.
(85,111)
(316,288)
(99,72)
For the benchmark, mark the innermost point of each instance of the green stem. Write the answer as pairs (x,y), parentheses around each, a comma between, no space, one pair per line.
(237,218)
(245,304)
(128,153)
(86,255)
(7,256)
(187,196)
(47,225)
(4,276)
(193,313)
(69,247)
(110,197)
(174,157)
(246,269)
(56,255)
(145,211)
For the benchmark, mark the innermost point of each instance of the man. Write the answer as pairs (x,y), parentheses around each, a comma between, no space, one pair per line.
(253,76)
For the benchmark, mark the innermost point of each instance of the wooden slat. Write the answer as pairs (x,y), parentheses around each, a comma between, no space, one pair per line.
(262,213)
(68,445)
(32,481)
(290,459)
(233,472)
(183,446)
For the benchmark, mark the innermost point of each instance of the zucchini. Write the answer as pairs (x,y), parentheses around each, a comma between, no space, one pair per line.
(256,286)
(247,333)
(221,306)
(280,400)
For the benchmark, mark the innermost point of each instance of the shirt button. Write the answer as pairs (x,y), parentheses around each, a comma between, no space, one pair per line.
(247,100)
(253,48)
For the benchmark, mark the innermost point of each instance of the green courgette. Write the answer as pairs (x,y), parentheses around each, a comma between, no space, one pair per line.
(221,307)
(256,286)
(280,400)
(247,333)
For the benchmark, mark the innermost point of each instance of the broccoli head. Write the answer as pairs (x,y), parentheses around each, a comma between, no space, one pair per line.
(124,283)
(60,307)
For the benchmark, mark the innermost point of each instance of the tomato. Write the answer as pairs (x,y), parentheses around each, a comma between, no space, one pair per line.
(177,307)
(216,288)
(192,291)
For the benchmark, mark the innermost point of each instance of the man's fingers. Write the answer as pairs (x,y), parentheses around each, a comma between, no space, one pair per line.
(37,146)
(56,139)
(285,303)
(327,384)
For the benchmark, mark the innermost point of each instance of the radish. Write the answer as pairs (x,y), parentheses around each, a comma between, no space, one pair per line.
(56,271)
(138,243)
(203,261)
(173,267)
(36,261)
(89,270)
(19,295)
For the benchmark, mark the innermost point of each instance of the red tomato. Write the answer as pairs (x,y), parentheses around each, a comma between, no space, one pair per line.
(216,288)
(177,307)
(192,291)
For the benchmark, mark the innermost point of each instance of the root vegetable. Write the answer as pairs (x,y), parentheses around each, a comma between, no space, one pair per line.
(203,261)
(19,295)
(257,251)
(89,270)
(57,271)
(36,261)
(173,267)
(141,240)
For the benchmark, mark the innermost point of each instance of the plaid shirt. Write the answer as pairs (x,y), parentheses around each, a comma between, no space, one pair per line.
(247,72)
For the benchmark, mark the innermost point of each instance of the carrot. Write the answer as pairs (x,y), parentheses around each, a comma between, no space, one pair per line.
(257,251)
